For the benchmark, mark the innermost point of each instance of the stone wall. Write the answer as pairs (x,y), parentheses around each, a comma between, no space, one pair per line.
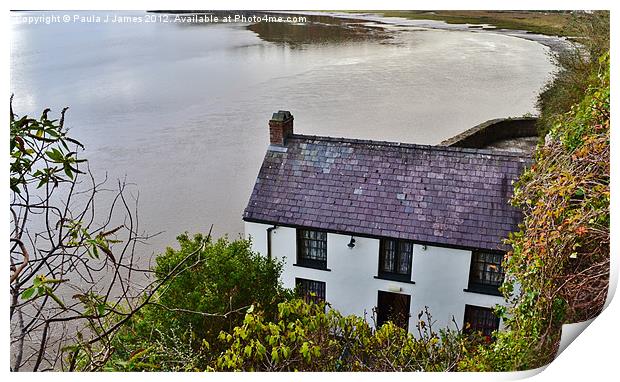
(493,131)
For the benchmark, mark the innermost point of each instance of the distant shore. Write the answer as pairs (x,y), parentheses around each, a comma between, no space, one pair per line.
(551,34)
(552,23)
(549,28)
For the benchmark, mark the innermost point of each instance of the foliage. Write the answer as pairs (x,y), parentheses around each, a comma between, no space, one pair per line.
(225,277)
(59,247)
(313,337)
(560,258)
(175,349)
(590,40)
(221,281)
(40,152)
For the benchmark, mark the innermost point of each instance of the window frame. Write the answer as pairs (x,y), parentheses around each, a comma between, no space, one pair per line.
(308,262)
(301,285)
(478,285)
(486,329)
(395,276)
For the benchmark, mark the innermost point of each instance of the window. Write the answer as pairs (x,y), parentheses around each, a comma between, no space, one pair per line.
(393,307)
(312,249)
(486,273)
(395,259)
(310,290)
(479,319)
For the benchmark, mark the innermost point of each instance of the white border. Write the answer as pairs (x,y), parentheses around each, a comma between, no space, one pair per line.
(592,356)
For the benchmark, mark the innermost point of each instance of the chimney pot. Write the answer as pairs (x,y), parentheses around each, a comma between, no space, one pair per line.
(280,127)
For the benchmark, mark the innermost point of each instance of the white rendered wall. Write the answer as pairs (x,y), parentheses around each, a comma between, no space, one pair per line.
(440,275)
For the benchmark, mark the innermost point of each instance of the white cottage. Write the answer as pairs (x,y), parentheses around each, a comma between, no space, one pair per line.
(386,227)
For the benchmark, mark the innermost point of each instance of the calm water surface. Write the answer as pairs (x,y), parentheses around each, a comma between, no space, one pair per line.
(182,110)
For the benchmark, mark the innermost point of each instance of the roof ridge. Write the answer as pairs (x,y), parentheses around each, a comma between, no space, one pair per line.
(495,153)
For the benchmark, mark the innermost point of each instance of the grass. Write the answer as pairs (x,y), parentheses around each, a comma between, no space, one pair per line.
(544,22)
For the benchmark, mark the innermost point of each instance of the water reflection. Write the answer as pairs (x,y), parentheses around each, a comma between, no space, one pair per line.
(312,30)
(182,111)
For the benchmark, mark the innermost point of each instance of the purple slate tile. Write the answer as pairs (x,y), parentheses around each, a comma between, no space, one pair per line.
(453,196)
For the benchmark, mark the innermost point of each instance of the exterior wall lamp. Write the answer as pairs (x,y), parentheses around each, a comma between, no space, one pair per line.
(351,243)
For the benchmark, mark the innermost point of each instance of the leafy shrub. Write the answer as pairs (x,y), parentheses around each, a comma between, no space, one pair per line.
(313,337)
(178,330)
(590,34)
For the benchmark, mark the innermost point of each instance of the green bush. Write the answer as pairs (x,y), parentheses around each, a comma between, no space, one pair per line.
(178,329)
(590,40)
(313,337)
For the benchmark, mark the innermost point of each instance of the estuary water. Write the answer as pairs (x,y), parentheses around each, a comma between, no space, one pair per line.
(181,109)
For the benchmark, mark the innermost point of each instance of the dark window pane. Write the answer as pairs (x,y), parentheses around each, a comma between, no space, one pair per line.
(312,248)
(395,258)
(480,319)
(310,290)
(404,258)
(486,271)
(389,258)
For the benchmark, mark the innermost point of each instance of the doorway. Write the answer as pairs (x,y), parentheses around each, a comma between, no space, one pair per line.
(393,307)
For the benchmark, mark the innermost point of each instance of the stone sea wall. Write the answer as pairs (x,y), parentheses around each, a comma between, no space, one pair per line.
(496,133)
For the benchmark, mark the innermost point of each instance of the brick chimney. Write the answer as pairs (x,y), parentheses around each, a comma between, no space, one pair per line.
(280,127)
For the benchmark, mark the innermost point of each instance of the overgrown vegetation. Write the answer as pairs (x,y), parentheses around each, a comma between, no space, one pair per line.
(313,337)
(560,258)
(590,36)
(60,248)
(178,329)
(226,310)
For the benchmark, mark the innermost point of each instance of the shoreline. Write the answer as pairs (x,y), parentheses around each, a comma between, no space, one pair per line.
(556,43)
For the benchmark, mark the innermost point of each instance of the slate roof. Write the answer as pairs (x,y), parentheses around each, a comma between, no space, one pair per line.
(430,194)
